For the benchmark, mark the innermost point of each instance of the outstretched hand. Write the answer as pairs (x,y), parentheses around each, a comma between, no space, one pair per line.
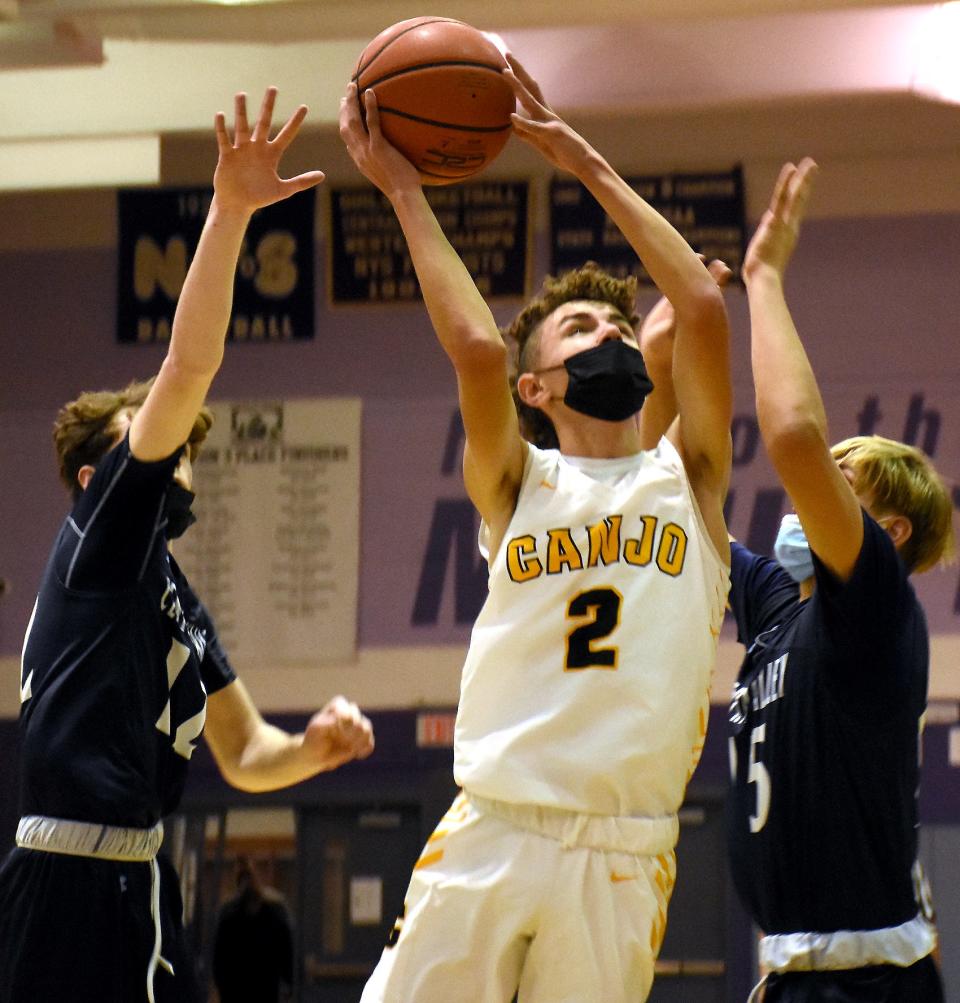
(246,176)
(378,160)
(537,124)
(776,237)
(338,734)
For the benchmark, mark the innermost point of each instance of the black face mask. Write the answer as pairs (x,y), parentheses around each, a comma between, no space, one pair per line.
(609,382)
(177,510)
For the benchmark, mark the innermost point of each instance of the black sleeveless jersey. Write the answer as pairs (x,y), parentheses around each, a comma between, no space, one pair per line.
(824,743)
(118,659)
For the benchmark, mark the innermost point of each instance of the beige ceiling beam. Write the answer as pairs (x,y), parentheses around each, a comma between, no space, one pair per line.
(32,46)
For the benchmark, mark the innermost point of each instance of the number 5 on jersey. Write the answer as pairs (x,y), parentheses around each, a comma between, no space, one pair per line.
(757,774)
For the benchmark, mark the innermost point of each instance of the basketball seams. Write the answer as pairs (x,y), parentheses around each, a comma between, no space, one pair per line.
(435,64)
(386,110)
(386,45)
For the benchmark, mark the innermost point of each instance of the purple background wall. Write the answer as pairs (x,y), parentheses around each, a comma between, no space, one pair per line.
(877,301)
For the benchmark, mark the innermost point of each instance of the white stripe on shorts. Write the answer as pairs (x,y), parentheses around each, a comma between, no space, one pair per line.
(87,839)
(902,945)
(103,842)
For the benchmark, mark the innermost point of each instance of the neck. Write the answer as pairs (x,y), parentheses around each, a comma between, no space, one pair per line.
(806,588)
(581,435)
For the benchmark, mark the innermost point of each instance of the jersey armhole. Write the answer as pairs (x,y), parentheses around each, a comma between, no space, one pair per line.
(668,453)
(532,455)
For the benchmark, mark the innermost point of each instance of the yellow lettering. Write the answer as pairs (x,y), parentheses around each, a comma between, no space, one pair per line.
(277,272)
(672,549)
(522,561)
(562,553)
(640,551)
(153,266)
(605,541)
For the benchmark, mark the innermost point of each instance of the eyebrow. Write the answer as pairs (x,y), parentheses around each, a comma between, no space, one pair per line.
(613,314)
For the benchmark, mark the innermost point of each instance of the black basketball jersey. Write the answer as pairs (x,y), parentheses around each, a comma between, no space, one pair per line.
(824,742)
(118,659)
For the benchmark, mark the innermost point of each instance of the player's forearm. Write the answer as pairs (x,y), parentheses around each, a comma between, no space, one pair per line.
(203,309)
(271,759)
(787,396)
(460,316)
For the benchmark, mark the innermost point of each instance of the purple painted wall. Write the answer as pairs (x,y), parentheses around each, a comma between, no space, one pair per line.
(877,301)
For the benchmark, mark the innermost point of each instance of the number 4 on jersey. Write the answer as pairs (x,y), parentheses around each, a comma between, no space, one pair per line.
(191,729)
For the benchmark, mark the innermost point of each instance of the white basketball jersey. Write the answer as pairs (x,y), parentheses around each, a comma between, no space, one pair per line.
(587,682)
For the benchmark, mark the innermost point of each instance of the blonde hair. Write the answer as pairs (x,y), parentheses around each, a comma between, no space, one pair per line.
(900,479)
(85,429)
(591,283)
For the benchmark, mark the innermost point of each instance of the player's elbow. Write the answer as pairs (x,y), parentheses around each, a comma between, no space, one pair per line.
(790,436)
(191,370)
(476,353)
(243,775)
(248,783)
(705,308)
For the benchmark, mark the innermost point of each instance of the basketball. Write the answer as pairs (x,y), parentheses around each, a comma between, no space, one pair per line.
(443,100)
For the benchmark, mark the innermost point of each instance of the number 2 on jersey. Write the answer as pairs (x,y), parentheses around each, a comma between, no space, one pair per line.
(602,606)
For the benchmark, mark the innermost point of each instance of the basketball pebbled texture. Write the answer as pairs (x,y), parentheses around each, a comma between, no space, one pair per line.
(443,100)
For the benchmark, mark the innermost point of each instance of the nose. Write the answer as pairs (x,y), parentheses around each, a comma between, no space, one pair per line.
(608,331)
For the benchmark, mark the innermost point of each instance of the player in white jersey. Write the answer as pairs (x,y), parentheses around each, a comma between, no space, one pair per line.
(584,697)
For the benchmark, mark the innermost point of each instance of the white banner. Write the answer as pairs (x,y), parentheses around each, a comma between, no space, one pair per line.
(274,553)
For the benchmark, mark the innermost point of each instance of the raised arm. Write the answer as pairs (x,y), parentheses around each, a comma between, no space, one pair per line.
(656,339)
(245,180)
(494,454)
(701,368)
(793,423)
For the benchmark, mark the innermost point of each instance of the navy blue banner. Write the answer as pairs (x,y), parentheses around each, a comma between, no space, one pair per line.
(486,221)
(273,294)
(708,209)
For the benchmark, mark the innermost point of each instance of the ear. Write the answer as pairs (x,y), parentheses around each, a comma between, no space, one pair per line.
(84,474)
(899,529)
(531,390)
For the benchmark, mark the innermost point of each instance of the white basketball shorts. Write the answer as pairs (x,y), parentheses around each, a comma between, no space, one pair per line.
(566,908)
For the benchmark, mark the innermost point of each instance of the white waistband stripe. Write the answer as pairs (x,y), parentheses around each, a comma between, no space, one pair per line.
(902,945)
(86,839)
(647,837)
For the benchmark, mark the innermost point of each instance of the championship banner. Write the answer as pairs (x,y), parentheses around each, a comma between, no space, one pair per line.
(708,209)
(487,223)
(275,550)
(273,294)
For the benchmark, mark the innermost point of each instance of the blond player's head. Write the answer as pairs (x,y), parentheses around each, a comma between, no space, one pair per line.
(897,479)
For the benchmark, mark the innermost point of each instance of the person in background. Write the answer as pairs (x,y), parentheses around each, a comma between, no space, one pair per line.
(253,943)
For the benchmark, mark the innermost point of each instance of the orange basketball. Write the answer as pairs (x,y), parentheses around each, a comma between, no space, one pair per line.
(443,100)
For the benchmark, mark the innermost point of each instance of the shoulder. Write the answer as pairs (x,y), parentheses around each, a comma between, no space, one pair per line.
(878,572)
(120,478)
(754,574)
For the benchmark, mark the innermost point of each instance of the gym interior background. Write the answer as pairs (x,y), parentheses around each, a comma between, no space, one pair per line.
(677,88)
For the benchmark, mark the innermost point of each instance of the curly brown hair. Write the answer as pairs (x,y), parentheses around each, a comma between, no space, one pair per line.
(85,430)
(590,282)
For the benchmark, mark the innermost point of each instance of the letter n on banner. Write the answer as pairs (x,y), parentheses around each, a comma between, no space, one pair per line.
(273,291)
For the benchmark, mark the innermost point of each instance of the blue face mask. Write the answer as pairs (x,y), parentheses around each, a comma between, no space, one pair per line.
(792,550)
